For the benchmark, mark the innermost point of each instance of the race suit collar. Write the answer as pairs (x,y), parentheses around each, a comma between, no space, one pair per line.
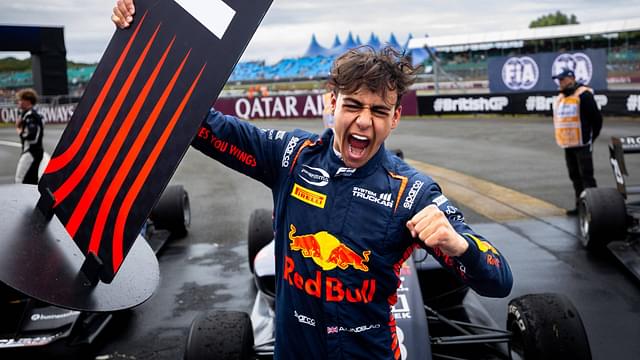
(337,166)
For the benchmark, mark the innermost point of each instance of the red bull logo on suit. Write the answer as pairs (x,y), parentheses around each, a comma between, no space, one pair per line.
(328,253)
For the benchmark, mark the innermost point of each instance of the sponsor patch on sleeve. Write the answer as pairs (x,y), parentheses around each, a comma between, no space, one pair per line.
(413,193)
(440,200)
(286,158)
(273,134)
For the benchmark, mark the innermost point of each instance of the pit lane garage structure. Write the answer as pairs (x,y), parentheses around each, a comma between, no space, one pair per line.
(48,55)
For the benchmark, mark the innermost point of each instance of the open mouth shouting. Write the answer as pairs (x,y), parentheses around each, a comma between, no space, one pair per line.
(358,146)
(363,120)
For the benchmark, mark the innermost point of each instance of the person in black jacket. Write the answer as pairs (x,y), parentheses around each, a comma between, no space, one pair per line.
(577,121)
(30,129)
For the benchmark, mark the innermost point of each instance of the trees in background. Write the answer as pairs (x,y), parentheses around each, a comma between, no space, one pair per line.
(558,18)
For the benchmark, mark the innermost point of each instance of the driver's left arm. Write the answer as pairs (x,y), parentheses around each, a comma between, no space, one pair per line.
(440,228)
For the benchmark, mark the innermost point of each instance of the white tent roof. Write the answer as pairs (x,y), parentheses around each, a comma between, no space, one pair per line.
(547,32)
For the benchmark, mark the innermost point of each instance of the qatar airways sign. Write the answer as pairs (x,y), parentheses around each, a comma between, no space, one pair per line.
(50,113)
(534,72)
(307,106)
(290,106)
(270,107)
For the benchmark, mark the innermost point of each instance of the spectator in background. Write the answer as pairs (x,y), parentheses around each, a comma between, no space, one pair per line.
(251,92)
(264,91)
(577,121)
(30,129)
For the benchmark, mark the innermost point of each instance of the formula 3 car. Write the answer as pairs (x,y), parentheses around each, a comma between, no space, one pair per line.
(27,322)
(610,217)
(437,316)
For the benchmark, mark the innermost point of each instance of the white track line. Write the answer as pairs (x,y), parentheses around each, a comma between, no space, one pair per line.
(10,143)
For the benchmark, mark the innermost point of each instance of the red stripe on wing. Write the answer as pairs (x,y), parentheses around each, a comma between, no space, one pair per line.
(114,148)
(131,196)
(60,161)
(127,164)
(72,181)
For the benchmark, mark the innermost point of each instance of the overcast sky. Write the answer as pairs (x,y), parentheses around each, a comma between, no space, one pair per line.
(287,28)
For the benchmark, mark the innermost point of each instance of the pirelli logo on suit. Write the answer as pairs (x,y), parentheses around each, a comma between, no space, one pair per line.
(308,196)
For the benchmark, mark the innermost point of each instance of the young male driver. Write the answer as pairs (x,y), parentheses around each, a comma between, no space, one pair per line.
(347,213)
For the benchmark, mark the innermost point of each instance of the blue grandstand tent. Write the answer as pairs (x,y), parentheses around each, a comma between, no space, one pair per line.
(358,41)
(336,42)
(374,42)
(314,48)
(393,42)
(317,60)
(349,43)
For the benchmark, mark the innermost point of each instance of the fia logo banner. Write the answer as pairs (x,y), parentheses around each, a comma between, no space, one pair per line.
(580,63)
(520,73)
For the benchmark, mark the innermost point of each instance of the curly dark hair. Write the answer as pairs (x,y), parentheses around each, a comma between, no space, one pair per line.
(27,94)
(382,71)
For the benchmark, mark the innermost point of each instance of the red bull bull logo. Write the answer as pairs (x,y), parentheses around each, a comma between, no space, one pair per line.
(483,246)
(327,251)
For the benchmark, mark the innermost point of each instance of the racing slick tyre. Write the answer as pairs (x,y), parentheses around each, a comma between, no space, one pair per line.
(173,211)
(222,335)
(603,217)
(260,233)
(546,326)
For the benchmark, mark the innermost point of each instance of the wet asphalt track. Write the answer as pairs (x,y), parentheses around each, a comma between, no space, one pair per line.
(208,268)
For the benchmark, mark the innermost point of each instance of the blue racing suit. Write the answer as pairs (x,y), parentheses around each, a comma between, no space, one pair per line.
(341,238)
